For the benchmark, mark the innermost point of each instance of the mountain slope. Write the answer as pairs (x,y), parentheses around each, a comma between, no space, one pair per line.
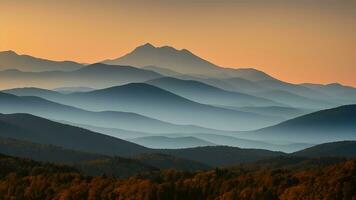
(160,104)
(11,60)
(182,61)
(333,149)
(39,130)
(322,126)
(96,76)
(207,94)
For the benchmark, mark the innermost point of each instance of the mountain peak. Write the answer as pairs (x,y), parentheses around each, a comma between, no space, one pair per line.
(146,46)
(9,52)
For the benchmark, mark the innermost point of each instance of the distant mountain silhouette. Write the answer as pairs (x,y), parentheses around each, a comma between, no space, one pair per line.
(121,120)
(163,71)
(11,60)
(207,94)
(280,111)
(168,142)
(96,75)
(67,90)
(182,61)
(346,94)
(160,104)
(332,149)
(32,91)
(295,100)
(293,95)
(322,126)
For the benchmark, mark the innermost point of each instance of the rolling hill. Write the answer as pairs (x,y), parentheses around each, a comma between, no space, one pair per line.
(160,104)
(318,127)
(203,93)
(39,130)
(34,129)
(226,140)
(332,149)
(120,120)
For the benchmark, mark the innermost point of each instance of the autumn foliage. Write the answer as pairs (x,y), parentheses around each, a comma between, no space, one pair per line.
(24,179)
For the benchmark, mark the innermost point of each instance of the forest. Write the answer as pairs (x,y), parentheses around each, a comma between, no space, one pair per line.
(24,179)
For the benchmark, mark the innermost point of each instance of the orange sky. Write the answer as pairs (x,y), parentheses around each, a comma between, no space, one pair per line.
(296,41)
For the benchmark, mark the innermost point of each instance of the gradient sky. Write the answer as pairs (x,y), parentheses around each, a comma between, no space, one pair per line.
(296,41)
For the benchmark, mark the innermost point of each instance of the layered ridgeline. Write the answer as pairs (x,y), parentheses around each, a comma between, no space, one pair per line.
(156,62)
(120,121)
(95,76)
(12,60)
(184,64)
(39,130)
(205,139)
(96,164)
(322,126)
(198,92)
(207,94)
(160,104)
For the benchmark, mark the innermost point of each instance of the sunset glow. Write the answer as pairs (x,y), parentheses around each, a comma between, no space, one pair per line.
(303,41)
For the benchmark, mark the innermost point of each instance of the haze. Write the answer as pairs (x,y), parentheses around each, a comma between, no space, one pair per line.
(299,41)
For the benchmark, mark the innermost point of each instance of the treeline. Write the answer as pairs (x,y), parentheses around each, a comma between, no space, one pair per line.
(25,179)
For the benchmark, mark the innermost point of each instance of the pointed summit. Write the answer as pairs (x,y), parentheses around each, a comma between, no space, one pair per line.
(8,53)
(182,61)
(146,46)
(167,57)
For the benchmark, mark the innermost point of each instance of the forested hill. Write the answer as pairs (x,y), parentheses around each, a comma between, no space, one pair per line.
(26,179)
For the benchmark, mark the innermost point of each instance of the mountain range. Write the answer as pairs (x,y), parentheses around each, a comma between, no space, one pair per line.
(34,129)
(109,119)
(160,107)
(160,104)
(96,76)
